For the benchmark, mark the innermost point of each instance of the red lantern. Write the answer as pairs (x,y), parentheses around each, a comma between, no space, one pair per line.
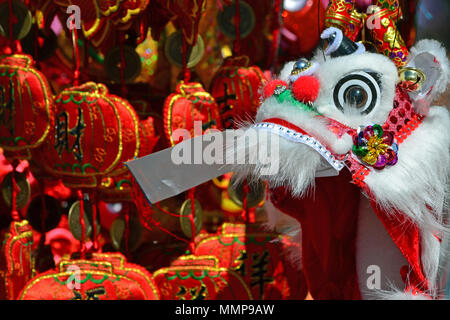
(94,133)
(103,277)
(259,257)
(16,261)
(26,106)
(200,278)
(235,88)
(190,103)
(118,187)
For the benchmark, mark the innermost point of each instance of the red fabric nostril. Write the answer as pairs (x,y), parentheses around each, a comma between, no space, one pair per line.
(306,89)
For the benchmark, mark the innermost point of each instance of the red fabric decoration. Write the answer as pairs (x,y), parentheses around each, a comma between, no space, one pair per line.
(329,225)
(117,188)
(27,112)
(306,89)
(190,103)
(259,257)
(94,133)
(104,277)
(235,87)
(200,278)
(272,85)
(16,261)
(304,28)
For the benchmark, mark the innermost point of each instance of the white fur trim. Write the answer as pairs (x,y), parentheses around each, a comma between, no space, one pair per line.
(429,49)
(332,70)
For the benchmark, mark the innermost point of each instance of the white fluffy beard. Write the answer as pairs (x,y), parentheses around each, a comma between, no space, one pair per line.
(297,163)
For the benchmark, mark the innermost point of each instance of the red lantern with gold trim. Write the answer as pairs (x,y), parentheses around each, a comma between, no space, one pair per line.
(16,261)
(94,133)
(259,257)
(190,103)
(235,89)
(119,187)
(26,106)
(200,278)
(103,277)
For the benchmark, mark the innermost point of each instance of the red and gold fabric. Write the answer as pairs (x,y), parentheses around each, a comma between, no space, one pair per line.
(26,106)
(103,277)
(117,187)
(235,89)
(190,102)
(387,38)
(16,260)
(343,15)
(94,133)
(200,278)
(259,257)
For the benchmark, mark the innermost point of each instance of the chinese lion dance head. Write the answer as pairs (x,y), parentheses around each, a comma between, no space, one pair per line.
(374,228)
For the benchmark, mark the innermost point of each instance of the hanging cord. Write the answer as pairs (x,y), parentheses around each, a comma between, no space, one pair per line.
(123,64)
(273,57)
(186,71)
(93,199)
(126,232)
(237,26)
(43,214)
(76,57)
(191,195)
(83,226)
(15,189)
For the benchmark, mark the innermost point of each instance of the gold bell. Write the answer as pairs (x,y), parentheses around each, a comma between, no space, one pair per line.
(411,79)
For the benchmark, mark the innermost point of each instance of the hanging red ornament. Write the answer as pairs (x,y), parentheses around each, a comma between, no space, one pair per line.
(200,278)
(235,88)
(301,28)
(26,107)
(259,257)
(343,15)
(116,188)
(94,133)
(16,260)
(102,277)
(190,103)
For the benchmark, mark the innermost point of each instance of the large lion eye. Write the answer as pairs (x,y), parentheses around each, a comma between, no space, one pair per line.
(359,90)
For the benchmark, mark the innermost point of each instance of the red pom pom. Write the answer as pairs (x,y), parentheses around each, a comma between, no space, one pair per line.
(271,86)
(306,89)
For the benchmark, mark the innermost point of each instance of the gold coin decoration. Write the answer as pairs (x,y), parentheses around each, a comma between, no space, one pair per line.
(117,231)
(24,20)
(74,220)
(185,222)
(23,193)
(254,197)
(173,50)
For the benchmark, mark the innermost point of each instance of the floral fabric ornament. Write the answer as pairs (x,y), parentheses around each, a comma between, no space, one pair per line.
(103,277)
(235,88)
(16,260)
(190,103)
(117,187)
(376,147)
(94,133)
(200,278)
(259,257)
(26,106)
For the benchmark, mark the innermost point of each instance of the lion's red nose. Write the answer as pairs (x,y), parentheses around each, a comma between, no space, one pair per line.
(306,89)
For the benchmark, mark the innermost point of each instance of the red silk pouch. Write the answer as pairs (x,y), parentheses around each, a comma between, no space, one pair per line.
(16,261)
(235,89)
(103,277)
(26,112)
